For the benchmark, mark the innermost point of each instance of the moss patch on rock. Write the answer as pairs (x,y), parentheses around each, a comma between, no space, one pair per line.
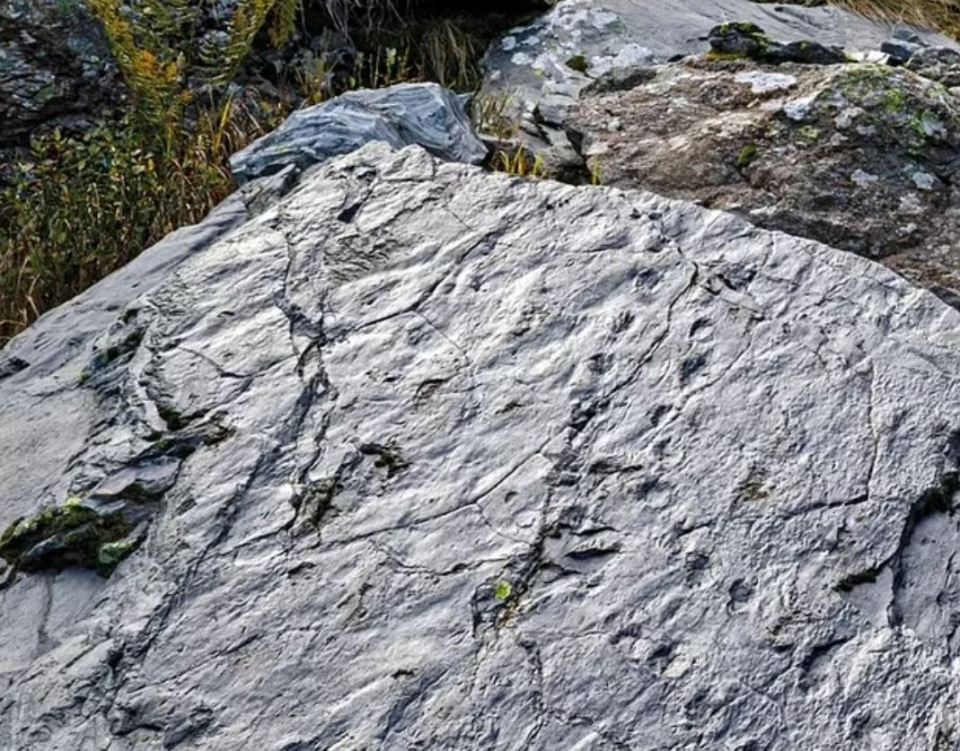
(74,534)
(750,41)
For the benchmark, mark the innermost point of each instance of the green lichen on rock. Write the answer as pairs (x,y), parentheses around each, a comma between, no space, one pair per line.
(746,156)
(749,40)
(579,63)
(70,535)
(894,101)
(112,553)
(904,110)
(744,40)
(172,417)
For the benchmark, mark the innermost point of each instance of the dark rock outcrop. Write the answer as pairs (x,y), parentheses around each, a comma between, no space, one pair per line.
(55,70)
(487,463)
(747,40)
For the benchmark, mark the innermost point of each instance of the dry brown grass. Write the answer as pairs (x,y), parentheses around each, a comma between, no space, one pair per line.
(935,14)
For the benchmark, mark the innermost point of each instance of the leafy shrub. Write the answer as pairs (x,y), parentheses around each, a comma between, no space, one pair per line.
(81,208)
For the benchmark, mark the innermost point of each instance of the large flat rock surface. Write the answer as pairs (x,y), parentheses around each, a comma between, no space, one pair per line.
(440,459)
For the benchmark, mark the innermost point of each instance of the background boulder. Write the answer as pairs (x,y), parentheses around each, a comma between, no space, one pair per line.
(863,157)
(537,72)
(425,114)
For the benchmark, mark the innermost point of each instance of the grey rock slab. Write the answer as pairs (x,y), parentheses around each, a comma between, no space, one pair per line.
(511,465)
(424,114)
(47,414)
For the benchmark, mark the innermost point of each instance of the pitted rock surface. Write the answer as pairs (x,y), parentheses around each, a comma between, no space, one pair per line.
(861,157)
(497,464)
(548,63)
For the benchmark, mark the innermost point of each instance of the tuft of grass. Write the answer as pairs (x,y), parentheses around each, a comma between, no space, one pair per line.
(746,156)
(519,163)
(943,15)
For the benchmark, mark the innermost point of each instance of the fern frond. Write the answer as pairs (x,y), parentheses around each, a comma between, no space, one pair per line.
(284,21)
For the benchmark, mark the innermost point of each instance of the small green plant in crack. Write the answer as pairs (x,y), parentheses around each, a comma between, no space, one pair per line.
(520,164)
(746,156)
(174,420)
(894,101)
(579,63)
(596,175)
(503,591)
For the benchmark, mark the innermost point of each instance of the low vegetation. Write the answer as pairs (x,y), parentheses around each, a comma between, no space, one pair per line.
(934,14)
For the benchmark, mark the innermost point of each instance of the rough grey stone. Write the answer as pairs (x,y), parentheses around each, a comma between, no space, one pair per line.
(940,64)
(425,114)
(511,465)
(533,60)
(900,50)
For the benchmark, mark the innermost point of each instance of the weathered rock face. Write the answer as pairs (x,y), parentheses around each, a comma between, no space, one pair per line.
(861,157)
(431,458)
(804,128)
(549,62)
